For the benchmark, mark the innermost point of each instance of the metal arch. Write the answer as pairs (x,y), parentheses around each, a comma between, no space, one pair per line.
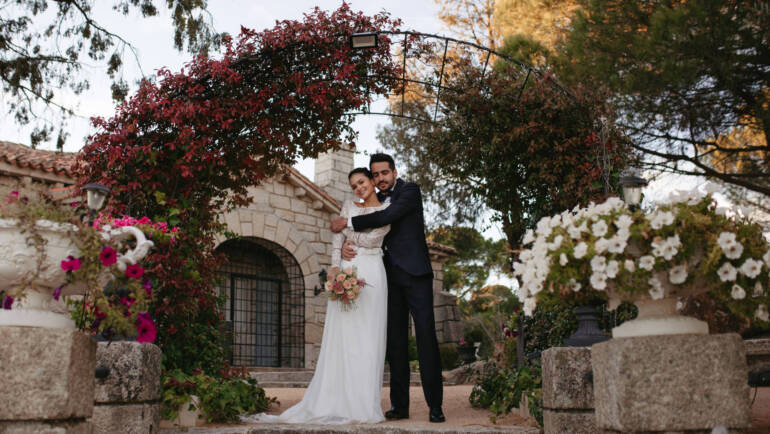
(439,86)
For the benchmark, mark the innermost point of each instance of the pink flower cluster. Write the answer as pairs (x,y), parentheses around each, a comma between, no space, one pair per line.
(125,220)
(344,287)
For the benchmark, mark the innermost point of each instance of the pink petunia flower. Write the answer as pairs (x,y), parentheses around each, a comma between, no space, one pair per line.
(108,256)
(134,271)
(128,302)
(145,328)
(57,293)
(147,284)
(7,302)
(71,264)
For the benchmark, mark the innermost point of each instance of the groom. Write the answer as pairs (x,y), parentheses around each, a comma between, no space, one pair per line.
(410,286)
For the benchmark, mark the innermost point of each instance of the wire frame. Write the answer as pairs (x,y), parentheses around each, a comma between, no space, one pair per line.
(264,304)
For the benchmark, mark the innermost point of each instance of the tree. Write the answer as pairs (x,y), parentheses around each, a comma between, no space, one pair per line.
(546,21)
(43,44)
(472,20)
(686,77)
(183,149)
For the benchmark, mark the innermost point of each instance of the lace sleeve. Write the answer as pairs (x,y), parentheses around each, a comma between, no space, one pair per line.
(370,239)
(339,239)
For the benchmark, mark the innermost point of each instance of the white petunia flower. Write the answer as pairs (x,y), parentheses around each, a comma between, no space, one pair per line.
(669,251)
(574,285)
(667,217)
(518,268)
(733,250)
(727,272)
(656,292)
(628,264)
(580,250)
(658,247)
(599,281)
(575,232)
(612,269)
(711,188)
(677,275)
(758,289)
(535,287)
(646,262)
(721,210)
(599,229)
(674,241)
(761,313)
(598,264)
(543,227)
(563,260)
(617,244)
(624,221)
(751,268)
(725,238)
(529,236)
(529,306)
(737,292)
(624,234)
(601,245)
(766,258)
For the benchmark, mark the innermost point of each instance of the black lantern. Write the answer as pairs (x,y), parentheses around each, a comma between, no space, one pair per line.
(632,189)
(363,40)
(96,196)
(321,280)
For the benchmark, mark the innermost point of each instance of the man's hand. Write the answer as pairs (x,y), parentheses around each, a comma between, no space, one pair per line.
(339,224)
(348,252)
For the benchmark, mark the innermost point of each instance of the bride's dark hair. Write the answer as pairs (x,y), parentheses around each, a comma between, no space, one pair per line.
(362,170)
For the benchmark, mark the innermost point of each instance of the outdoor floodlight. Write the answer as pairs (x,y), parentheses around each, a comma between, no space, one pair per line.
(363,40)
(96,196)
(632,189)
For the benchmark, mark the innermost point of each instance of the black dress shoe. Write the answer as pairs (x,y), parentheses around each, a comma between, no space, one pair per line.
(436,415)
(395,414)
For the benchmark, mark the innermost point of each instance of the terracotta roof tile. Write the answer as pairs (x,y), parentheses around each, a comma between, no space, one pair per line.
(22,156)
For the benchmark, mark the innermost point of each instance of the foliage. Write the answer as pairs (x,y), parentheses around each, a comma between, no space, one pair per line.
(546,22)
(221,399)
(46,44)
(529,148)
(185,148)
(687,77)
(685,245)
(116,294)
(467,271)
(450,358)
(472,20)
(485,315)
(411,349)
(501,390)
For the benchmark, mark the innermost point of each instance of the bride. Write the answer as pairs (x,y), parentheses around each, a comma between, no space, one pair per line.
(346,386)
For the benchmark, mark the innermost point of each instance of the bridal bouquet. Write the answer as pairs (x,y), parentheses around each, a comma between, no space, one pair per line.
(344,287)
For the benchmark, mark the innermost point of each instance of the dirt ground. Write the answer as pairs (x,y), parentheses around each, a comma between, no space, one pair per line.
(457,409)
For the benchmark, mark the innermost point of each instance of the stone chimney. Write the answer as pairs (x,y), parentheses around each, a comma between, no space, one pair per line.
(331,173)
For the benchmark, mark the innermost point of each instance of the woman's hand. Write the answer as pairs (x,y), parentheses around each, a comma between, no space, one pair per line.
(333,273)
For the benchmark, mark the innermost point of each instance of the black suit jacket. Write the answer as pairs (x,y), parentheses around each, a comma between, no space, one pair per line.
(405,243)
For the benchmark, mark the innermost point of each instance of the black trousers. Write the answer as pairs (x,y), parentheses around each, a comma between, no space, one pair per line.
(407,293)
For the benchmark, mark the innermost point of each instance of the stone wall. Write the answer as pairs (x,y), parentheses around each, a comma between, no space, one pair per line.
(331,173)
(449,326)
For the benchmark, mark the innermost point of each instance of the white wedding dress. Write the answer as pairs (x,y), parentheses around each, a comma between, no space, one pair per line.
(347,384)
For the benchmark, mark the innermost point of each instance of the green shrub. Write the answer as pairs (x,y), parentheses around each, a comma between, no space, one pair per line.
(509,352)
(412,348)
(500,390)
(450,358)
(221,399)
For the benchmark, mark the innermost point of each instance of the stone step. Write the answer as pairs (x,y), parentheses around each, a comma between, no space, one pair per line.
(380,428)
(301,378)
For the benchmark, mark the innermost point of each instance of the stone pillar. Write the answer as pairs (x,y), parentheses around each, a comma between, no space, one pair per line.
(568,391)
(449,326)
(331,173)
(127,400)
(680,383)
(48,380)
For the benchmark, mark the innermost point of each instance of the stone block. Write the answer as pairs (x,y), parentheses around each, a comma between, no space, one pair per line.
(567,380)
(573,422)
(671,383)
(47,373)
(134,372)
(127,418)
(52,427)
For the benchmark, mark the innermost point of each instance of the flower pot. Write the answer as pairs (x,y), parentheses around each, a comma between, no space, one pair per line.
(35,305)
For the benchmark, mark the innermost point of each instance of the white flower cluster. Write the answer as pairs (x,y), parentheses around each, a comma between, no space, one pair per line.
(589,248)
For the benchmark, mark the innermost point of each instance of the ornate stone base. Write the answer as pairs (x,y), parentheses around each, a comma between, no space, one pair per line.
(671,383)
(48,374)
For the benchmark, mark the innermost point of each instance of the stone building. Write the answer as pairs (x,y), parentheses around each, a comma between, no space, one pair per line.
(282,243)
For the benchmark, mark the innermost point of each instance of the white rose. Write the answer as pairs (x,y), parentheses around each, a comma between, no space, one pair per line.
(656,292)
(646,262)
(563,260)
(612,269)
(737,292)
(677,275)
(599,281)
(727,272)
(580,250)
(598,264)
(751,268)
(761,313)
(599,229)
(628,264)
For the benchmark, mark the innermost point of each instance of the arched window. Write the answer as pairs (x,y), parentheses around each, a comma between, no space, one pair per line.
(265,303)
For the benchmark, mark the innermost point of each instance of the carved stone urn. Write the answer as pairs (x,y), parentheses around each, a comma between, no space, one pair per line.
(20,259)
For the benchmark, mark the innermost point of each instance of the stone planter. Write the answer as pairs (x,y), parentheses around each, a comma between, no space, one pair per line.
(18,261)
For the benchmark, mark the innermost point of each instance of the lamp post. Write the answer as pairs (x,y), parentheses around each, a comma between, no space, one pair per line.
(363,40)
(632,190)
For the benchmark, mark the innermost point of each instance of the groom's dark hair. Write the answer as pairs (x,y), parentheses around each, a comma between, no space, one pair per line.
(379,157)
